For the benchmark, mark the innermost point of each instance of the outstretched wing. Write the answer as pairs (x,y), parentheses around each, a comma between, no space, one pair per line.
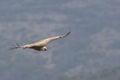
(48,40)
(23,46)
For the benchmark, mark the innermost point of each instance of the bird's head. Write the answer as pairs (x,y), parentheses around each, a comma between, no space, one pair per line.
(44,48)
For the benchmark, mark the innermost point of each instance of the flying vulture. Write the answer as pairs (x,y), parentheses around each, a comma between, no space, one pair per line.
(40,45)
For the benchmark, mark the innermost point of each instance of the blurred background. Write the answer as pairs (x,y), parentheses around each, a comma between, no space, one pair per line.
(90,52)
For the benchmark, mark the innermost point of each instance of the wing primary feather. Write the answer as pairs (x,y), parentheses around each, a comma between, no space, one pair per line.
(17,46)
(65,34)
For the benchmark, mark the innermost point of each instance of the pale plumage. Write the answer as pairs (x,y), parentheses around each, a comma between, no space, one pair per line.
(40,45)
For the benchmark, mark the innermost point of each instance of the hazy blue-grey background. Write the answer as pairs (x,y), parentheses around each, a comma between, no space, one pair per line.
(93,48)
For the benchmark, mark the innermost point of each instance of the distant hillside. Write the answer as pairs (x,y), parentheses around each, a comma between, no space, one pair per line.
(92,46)
(107,74)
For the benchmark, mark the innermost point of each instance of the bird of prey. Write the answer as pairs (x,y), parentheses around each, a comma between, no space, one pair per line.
(40,45)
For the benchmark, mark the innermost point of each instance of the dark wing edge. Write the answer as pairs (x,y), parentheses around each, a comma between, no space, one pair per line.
(15,47)
(65,35)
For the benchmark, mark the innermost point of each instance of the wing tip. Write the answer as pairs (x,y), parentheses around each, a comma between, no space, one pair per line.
(16,46)
(66,34)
